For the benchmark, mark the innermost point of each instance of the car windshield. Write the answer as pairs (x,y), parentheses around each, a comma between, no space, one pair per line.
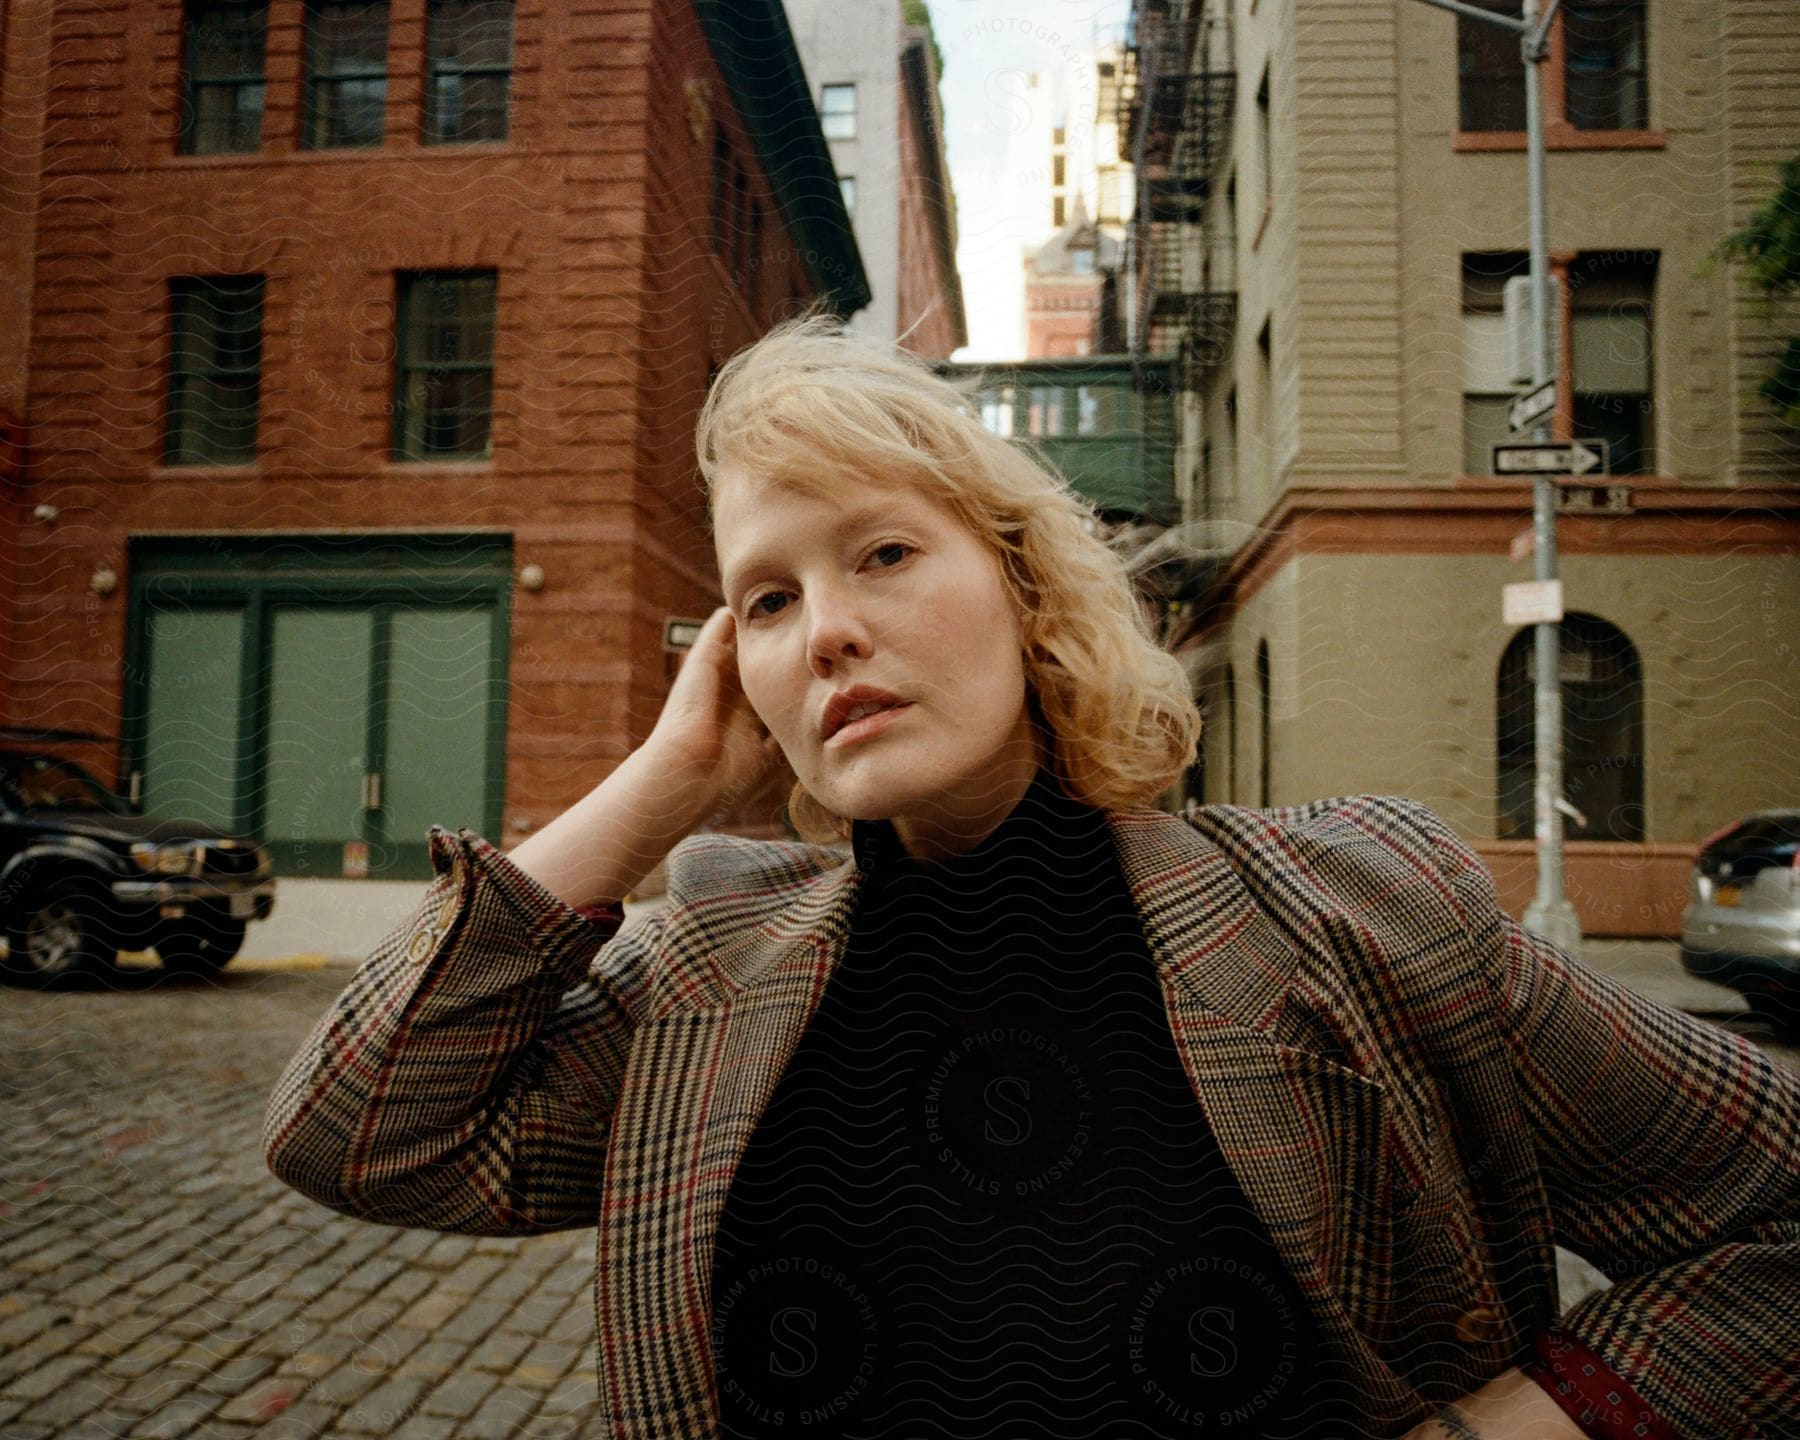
(41,782)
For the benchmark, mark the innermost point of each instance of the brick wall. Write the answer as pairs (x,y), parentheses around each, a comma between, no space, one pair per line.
(611,311)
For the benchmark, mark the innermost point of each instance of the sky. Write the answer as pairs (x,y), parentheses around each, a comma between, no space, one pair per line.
(989,47)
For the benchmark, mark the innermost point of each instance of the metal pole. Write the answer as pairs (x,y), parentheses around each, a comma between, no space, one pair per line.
(1550,914)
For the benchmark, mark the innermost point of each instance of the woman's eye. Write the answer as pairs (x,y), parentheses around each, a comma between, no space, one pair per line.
(760,606)
(892,545)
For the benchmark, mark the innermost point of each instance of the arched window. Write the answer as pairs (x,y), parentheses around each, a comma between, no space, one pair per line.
(1603,731)
(1262,723)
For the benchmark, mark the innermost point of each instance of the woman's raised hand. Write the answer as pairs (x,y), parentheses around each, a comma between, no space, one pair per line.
(708,739)
(707,751)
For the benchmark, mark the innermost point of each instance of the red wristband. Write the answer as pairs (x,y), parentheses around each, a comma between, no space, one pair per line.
(1590,1392)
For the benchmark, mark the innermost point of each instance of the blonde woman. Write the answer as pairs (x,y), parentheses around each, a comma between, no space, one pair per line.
(1030,1109)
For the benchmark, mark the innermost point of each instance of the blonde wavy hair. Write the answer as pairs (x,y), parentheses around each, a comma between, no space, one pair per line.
(808,405)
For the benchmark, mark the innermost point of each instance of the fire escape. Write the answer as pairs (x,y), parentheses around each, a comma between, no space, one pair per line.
(1175,112)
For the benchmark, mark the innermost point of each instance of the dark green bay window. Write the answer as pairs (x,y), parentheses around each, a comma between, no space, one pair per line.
(215,370)
(444,365)
(470,75)
(222,77)
(346,73)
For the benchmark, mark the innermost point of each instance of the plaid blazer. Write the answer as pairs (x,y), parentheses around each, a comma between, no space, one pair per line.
(1418,1096)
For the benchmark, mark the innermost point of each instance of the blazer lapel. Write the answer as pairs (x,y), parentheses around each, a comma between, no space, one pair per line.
(745,971)
(1307,1136)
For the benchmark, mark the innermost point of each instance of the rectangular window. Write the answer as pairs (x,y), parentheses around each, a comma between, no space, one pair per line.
(1603,46)
(470,71)
(1044,418)
(346,73)
(222,77)
(1610,353)
(847,185)
(444,366)
(1488,387)
(215,370)
(837,112)
(1265,144)
(997,410)
(1490,72)
(1605,79)
(1265,400)
(1228,463)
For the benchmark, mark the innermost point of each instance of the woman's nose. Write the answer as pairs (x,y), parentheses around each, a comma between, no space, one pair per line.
(835,630)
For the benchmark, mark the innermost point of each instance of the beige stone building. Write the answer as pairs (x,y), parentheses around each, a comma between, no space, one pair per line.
(1331,203)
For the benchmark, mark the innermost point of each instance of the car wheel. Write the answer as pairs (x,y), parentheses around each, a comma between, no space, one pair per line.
(57,937)
(199,943)
(1782,1012)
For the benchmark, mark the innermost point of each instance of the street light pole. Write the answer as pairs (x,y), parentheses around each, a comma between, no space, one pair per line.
(1550,913)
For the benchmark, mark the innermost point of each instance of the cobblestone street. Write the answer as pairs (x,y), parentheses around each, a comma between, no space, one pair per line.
(156,1280)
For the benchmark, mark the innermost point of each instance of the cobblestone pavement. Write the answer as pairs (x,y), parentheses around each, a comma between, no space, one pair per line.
(157,1281)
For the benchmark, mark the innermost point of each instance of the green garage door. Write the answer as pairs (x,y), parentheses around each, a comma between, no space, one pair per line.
(336,715)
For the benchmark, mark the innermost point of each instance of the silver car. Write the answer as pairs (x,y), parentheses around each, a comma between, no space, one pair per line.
(1742,926)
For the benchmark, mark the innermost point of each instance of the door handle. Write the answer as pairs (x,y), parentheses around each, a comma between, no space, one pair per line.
(371,790)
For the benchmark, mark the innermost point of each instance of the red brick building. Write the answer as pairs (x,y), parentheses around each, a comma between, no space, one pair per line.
(929,308)
(365,342)
(1064,285)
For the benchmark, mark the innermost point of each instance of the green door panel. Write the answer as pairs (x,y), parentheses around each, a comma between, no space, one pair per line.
(440,684)
(191,752)
(318,735)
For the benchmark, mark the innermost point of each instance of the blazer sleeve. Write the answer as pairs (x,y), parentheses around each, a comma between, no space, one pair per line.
(1670,1154)
(466,1078)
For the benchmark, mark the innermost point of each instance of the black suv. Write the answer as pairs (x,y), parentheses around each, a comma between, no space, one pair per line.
(83,875)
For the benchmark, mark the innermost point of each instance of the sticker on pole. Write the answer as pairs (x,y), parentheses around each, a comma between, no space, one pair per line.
(1532,602)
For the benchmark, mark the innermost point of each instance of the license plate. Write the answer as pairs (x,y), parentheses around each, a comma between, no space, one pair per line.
(1727,895)
(243,906)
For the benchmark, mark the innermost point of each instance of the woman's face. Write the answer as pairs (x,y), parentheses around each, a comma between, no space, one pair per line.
(885,587)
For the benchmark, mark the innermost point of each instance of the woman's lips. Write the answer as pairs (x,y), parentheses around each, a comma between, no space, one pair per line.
(866,728)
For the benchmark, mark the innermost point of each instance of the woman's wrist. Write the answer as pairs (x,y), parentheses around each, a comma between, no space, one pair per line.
(600,849)
(1511,1406)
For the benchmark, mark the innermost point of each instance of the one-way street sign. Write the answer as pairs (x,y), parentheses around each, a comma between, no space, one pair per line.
(1567,457)
(1532,407)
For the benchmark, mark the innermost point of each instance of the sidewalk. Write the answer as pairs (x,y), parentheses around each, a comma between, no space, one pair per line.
(338,922)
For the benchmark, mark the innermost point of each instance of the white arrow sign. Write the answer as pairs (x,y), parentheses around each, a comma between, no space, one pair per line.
(1568,457)
(1532,406)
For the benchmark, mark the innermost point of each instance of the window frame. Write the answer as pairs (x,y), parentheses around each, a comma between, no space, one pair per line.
(191,83)
(1571,275)
(1560,132)
(436,68)
(828,115)
(181,431)
(313,80)
(407,284)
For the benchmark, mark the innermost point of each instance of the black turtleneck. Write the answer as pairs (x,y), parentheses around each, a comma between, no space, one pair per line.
(984,1199)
